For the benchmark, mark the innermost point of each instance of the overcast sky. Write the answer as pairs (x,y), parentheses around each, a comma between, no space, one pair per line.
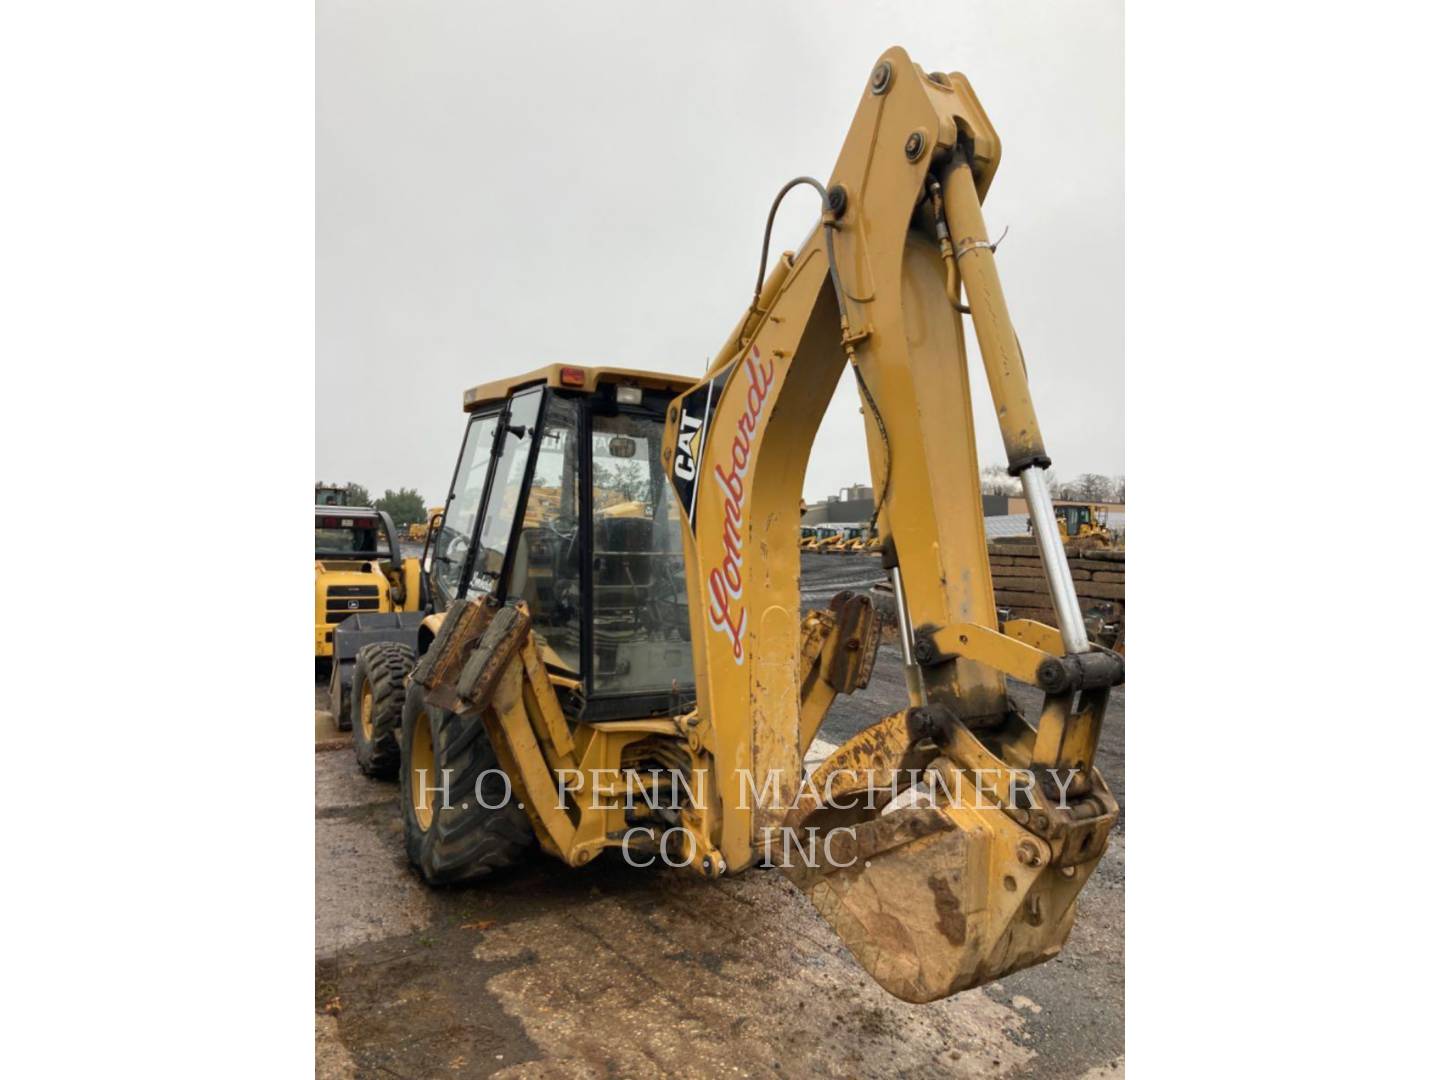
(501,186)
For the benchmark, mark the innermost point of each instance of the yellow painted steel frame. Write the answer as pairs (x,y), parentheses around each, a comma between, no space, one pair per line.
(588,787)
(782,367)
(583,788)
(753,420)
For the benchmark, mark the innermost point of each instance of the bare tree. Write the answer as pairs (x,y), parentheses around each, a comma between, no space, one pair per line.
(1088,487)
(996,480)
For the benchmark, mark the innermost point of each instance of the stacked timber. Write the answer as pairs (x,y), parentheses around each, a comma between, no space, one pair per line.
(1020,582)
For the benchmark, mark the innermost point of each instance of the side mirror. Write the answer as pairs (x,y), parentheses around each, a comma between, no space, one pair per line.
(622,446)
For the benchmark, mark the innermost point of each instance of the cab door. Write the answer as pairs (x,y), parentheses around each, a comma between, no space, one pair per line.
(511,455)
(449,551)
(470,545)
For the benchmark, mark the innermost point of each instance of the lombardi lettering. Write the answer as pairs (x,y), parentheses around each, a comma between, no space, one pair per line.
(727,585)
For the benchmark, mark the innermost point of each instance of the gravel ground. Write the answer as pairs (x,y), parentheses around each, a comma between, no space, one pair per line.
(610,971)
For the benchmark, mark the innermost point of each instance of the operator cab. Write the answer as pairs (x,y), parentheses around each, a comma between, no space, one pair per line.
(1071,517)
(345,533)
(555,464)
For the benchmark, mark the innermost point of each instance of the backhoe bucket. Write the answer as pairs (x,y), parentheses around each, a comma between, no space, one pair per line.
(930,881)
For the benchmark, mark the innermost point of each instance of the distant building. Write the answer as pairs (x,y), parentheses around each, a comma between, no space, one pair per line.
(1017,505)
(855,505)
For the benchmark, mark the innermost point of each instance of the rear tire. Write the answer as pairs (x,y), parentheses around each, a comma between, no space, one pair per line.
(377,703)
(466,840)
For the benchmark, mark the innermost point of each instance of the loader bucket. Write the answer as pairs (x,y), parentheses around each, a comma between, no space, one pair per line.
(936,891)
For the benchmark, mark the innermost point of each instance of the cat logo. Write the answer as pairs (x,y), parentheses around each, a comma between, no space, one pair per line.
(687,445)
(697,406)
(353,605)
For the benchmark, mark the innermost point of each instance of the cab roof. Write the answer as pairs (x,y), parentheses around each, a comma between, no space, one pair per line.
(574,377)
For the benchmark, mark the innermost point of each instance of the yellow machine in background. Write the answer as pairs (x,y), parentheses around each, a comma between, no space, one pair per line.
(354,573)
(360,578)
(838,539)
(821,537)
(1083,524)
(617,638)
(418,530)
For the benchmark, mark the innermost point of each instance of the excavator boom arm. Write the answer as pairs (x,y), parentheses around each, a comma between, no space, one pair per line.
(944,896)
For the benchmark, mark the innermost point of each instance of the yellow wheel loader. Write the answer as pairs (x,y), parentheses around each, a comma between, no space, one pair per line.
(646,682)
(364,586)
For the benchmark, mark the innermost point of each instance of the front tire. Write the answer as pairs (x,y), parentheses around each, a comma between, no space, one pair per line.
(377,704)
(465,840)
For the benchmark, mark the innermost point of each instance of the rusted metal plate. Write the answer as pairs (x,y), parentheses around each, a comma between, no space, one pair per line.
(446,657)
(857,639)
(502,638)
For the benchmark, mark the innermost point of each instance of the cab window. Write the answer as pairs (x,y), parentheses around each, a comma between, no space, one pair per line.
(506,488)
(452,542)
(545,572)
(641,627)
(344,537)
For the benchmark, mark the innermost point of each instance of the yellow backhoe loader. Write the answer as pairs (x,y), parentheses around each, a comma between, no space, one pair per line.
(645,680)
(821,538)
(843,541)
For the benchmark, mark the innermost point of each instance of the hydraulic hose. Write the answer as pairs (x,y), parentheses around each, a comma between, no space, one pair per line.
(830,224)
